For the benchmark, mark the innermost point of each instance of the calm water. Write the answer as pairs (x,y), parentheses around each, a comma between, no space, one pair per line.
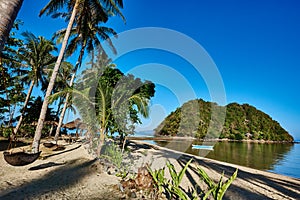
(278,158)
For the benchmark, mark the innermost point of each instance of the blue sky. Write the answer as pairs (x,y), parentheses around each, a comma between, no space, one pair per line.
(254,44)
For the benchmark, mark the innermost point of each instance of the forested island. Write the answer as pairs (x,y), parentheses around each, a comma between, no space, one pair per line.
(241,122)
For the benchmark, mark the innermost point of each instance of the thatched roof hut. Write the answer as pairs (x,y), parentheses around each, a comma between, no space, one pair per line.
(75,124)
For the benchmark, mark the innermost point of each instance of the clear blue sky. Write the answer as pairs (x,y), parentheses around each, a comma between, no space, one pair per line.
(254,44)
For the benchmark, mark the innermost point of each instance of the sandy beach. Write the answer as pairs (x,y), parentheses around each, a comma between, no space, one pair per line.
(74,174)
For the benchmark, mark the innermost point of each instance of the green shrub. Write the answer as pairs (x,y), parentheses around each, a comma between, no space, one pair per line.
(6,132)
(113,153)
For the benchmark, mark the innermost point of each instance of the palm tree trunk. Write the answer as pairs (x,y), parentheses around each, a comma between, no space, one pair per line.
(38,132)
(101,141)
(57,113)
(11,114)
(24,107)
(103,124)
(8,12)
(62,114)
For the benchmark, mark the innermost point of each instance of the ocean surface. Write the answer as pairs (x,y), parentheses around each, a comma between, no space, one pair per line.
(280,158)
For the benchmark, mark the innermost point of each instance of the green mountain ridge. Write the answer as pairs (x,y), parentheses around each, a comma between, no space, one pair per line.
(207,120)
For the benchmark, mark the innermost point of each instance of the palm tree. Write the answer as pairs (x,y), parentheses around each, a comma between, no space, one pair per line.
(38,132)
(97,100)
(89,38)
(62,80)
(115,98)
(106,6)
(37,56)
(8,12)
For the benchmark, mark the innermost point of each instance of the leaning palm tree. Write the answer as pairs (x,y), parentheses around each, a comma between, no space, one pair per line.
(8,12)
(39,127)
(88,39)
(36,54)
(107,6)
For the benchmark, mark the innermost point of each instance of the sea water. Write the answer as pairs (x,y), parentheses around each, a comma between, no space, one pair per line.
(280,158)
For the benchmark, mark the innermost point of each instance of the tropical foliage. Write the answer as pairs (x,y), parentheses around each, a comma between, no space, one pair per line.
(86,35)
(73,15)
(108,101)
(11,89)
(36,56)
(241,122)
(31,115)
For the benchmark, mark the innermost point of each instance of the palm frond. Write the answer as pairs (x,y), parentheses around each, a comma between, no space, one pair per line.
(52,6)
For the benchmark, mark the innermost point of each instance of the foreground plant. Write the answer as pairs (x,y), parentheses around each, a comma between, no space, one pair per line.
(216,189)
(159,180)
(173,189)
(174,186)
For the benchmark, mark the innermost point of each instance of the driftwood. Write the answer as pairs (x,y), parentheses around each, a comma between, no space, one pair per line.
(20,158)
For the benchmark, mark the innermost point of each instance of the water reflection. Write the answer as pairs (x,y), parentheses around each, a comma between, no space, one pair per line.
(260,156)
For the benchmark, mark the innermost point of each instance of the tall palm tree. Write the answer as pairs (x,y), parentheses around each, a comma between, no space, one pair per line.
(89,38)
(8,12)
(39,127)
(107,6)
(37,56)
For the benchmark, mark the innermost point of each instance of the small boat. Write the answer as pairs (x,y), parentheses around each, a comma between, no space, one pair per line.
(205,147)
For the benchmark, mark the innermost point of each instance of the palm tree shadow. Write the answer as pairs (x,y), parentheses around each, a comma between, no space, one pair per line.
(55,154)
(45,165)
(63,177)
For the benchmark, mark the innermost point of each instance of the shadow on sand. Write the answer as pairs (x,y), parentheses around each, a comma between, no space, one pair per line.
(63,177)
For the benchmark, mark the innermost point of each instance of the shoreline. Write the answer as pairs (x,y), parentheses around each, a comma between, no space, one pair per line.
(162,137)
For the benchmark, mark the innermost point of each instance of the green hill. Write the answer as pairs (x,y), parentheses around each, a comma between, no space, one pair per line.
(241,122)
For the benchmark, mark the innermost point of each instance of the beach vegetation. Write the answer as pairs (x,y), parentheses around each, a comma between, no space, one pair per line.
(176,178)
(113,153)
(172,188)
(117,100)
(217,190)
(31,115)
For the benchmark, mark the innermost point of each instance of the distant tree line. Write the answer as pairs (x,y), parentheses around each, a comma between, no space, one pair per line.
(241,122)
